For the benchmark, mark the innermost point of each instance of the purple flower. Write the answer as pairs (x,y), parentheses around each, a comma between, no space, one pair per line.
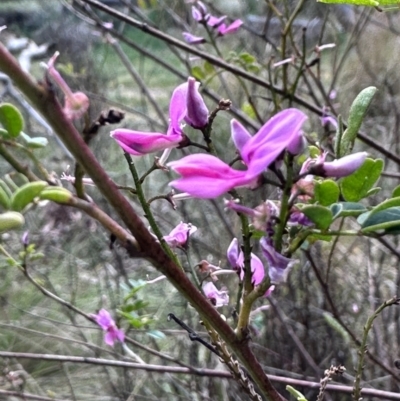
(218,298)
(297,145)
(232,28)
(75,103)
(205,176)
(105,321)
(337,168)
(199,12)
(344,166)
(236,259)
(278,265)
(196,110)
(329,120)
(179,236)
(186,104)
(192,39)
(25,239)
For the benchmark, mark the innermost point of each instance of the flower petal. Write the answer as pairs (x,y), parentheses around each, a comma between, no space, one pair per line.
(192,39)
(177,106)
(234,254)
(180,235)
(205,176)
(344,166)
(104,319)
(196,110)
(239,134)
(232,28)
(272,138)
(257,270)
(139,143)
(217,297)
(278,265)
(215,21)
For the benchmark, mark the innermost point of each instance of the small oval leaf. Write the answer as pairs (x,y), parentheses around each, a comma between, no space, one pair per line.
(356,186)
(357,113)
(11,119)
(321,216)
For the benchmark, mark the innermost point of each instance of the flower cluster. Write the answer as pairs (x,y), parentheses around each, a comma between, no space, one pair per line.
(202,16)
(277,142)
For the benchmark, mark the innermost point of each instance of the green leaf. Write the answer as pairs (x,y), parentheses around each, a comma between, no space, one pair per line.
(26,194)
(198,73)
(338,136)
(345,209)
(356,186)
(321,216)
(11,119)
(388,203)
(373,191)
(381,220)
(249,110)
(254,68)
(137,305)
(34,143)
(137,286)
(396,192)
(336,326)
(357,113)
(295,393)
(5,199)
(133,321)
(209,69)
(247,58)
(10,221)
(4,134)
(326,192)
(314,151)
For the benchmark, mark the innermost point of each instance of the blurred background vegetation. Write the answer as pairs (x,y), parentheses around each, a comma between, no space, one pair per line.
(311,321)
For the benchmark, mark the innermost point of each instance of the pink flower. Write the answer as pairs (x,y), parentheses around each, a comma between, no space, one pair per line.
(218,298)
(205,176)
(186,105)
(105,321)
(232,28)
(76,103)
(236,259)
(179,236)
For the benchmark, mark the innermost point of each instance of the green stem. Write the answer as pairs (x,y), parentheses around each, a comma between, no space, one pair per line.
(284,212)
(363,346)
(147,210)
(17,165)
